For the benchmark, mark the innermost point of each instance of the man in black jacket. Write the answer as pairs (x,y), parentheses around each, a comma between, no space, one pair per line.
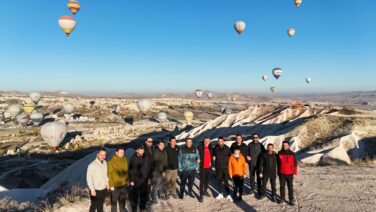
(268,170)
(148,151)
(221,157)
(256,149)
(159,172)
(172,168)
(239,144)
(206,155)
(139,180)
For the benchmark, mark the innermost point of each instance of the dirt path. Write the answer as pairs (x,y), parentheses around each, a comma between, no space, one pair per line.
(346,188)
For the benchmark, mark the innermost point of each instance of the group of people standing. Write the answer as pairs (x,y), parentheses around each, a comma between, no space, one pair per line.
(152,173)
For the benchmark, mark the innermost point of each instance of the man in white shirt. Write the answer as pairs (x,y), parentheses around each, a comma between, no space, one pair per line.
(97,181)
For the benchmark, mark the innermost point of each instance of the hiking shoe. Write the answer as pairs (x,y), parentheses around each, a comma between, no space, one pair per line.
(201,200)
(229,198)
(274,199)
(220,196)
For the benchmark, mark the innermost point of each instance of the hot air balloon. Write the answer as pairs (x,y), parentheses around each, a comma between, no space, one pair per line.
(116,109)
(14,110)
(298,3)
(199,93)
(67,24)
(291,32)
(23,119)
(29,108)
(162,116)
(188,115)
(228,111)
(264,77)
(74,6)
(144,105)
(35,97)
(92,102)
(308,80)
(210,95)
(194,103)
(239,27)
(273,89)
(53,133)
(277,72)
(36,118)
(68,108)
(222,109)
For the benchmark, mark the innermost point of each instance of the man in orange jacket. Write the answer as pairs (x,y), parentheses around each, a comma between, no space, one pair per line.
(237,171)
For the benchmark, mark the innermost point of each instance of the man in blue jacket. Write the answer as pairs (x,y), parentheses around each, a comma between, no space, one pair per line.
(189,160)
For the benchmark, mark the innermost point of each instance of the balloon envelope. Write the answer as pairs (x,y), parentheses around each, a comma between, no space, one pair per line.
(14,110)
(228,111)
(298,3)
(239,27)
(273,89)
(23,119)
(29,108)
(74,6)
(162,116)
(68,108)
(36,118)
(35,97)
(53,133)
(308,80)
(277,72)
(210,95)
(144,105)
(264,77)
(291,32)
(67,24)
(199,93)
(188,115)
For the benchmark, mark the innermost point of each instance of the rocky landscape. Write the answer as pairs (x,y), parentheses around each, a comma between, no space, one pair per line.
(335,144)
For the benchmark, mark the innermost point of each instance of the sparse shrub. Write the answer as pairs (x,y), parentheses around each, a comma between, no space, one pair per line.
(348,111)
(10,205)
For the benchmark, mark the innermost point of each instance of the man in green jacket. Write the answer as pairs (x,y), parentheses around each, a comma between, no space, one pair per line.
(117,172)
(159,172)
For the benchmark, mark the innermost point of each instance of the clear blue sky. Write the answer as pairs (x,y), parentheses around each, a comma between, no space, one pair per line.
(181,45)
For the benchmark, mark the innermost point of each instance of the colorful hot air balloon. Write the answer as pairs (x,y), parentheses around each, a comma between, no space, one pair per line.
(308,80)
(144,105)
(264,77)
(14,110)
(36,118)
(291,32)
(162,116)
(273,89)
(53,133)
(188,115)
(298,3)
(29,108)
(23,119)
(67,24)
(210,95)
(277,72)
(199,93)
(35,97)
(239,27)
(68,108)
(74,6)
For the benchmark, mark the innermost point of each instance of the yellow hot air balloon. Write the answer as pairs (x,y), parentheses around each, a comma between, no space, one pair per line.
(29,108)
(298,3)
(67,24)
(188,115)
(74,6)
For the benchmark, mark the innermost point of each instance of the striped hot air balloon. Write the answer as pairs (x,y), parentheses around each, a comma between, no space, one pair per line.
(74,6)
(67,24)
(239,27)
(29,108)
(298,3)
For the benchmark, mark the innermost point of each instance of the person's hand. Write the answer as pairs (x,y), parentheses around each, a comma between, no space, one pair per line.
(249,158)
(112,188)
(93,193)
(230,176)
(198,161)
(149,182)
(214,158)
(163,174)
(260,175)
(108,187)
(244,176)
(131,183)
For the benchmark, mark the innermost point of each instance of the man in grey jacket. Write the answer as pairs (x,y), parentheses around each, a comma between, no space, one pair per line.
(97,181)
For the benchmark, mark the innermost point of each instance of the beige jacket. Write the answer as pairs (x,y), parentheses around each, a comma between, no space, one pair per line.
(96,176)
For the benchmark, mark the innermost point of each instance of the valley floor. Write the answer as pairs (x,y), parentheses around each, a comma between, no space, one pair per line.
(330,188)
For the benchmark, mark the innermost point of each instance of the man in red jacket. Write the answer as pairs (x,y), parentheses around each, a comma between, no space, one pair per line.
(287,168)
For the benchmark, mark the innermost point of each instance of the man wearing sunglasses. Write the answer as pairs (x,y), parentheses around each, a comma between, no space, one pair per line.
(148,149)
(256,149)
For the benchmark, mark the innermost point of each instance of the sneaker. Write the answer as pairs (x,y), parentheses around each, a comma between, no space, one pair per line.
(181,196)
(261,197)
(229,198)
(291,203)
(274,199)
(280,201)
(220,196)
(201,200)
(207,194)
(251,193)
(174,196)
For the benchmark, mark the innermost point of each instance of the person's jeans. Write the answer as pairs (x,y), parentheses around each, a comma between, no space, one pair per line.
(157,187)
(97,201)
(171,177)
(187,176)
(118,196)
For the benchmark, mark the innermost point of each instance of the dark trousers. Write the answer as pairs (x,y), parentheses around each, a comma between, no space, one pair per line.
(283,179)
(238,185)
(222,180)
(138,196)
(253,176)
(204,180)
(265,180)
(97,201)
(187,176)
(118,196)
